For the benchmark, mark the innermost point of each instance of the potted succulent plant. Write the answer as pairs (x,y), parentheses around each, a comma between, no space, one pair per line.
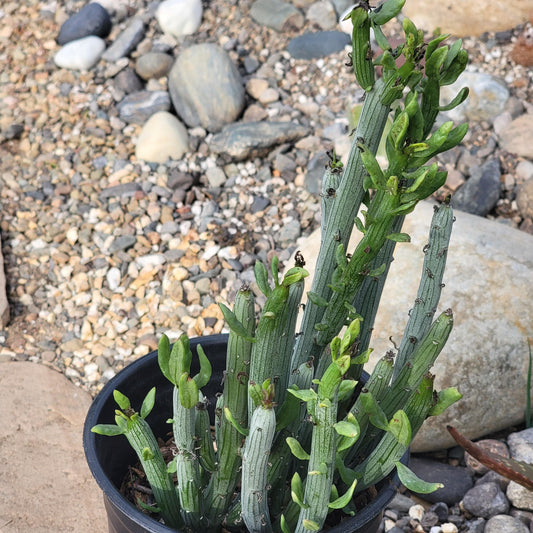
(296,432)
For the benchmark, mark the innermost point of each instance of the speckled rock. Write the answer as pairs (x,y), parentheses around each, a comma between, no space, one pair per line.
(486,355)
(197,98)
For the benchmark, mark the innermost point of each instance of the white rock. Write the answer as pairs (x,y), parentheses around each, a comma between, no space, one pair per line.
(163,137)
(519,496)
(81,54)
(113,278)
(179,17)
(488,286)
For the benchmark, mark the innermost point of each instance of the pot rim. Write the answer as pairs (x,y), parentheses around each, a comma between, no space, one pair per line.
(123,505)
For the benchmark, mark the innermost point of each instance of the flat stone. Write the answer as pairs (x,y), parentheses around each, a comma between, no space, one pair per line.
(91,19)
(199,101)
(137,108)
(470,19)
(41,424)
(179,17)
(163,137)
(126,41)
(486,354)
(516,137)
(318,44)
(243,140)
(276,14)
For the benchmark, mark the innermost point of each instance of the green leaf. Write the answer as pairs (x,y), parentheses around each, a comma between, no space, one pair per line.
(399,237)
(317,299)
(296,449)
(294,275)
(347,429)
(297,491)
(163,357)
(148,403)
(149,508)
(122,401)
(459,99)
(203,377)
(305,395)
(345,499)
(346,387)
(376,272)
(376,415)
(446,398)
(147,454)
(310,525)
(400,427)
(231,419)
(188,391)
(412,482)
(283,525)
(261,278)
(234,323)
(274,267)
(109,430)
(172,467)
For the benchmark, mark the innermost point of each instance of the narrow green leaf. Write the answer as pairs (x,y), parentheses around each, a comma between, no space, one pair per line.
(122,401)
(305,395)
(400,427)
(148,403)
(274,267)
(109,430)
(297,491)
(445,398)
(149,508)
(172,467)
(345,388)
(376,272)
(188,391)
(234,324)
(412,482)
(347,429)
(399,237)
(261,278)
(229,416)
(310,525)
(376,415)
(203,377)
(284,526)
(459,99)
(163,357)
(317,299)
(296,449)
(345,499)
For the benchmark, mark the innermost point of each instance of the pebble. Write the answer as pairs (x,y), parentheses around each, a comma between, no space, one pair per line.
(126,41)
(113,277)
(153,65)
(505,524)
(138,107)
(486,500)
(276,14)
(163,137)
(128,82)
(481,191)
(317,44)
(81,54)
(322,14)
(515,138)
(199,101)
(91,19)
(179,17)
(244,140)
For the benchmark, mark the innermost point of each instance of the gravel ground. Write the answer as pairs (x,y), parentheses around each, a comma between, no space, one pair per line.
(102,252)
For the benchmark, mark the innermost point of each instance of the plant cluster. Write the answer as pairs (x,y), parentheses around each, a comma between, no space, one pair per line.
(296,434)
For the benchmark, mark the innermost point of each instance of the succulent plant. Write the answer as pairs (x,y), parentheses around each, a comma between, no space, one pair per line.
(295,436)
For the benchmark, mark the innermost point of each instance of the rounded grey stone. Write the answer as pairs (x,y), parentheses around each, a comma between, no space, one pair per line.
(91,19)
(486,500)
(153,65)
(505,524)
(205,87)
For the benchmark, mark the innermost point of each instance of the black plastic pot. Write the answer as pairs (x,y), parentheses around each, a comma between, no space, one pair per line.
(109,457)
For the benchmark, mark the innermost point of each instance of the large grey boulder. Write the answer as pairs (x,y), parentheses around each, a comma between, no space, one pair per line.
(489,287)
(205,87)
(45,483)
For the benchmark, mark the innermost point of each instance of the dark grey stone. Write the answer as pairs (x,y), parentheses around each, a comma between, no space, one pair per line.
(318,44)
(138,107)
(126,41)
(179,180)
(243,140)
(128,81)
(481,191)
(486,500)
(315,172)
(259,204)
(13,131)
(456,480)
(205,87)
(91,19)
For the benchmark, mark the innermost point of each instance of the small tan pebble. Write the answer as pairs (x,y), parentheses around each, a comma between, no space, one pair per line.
(449,528)
(416,512)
